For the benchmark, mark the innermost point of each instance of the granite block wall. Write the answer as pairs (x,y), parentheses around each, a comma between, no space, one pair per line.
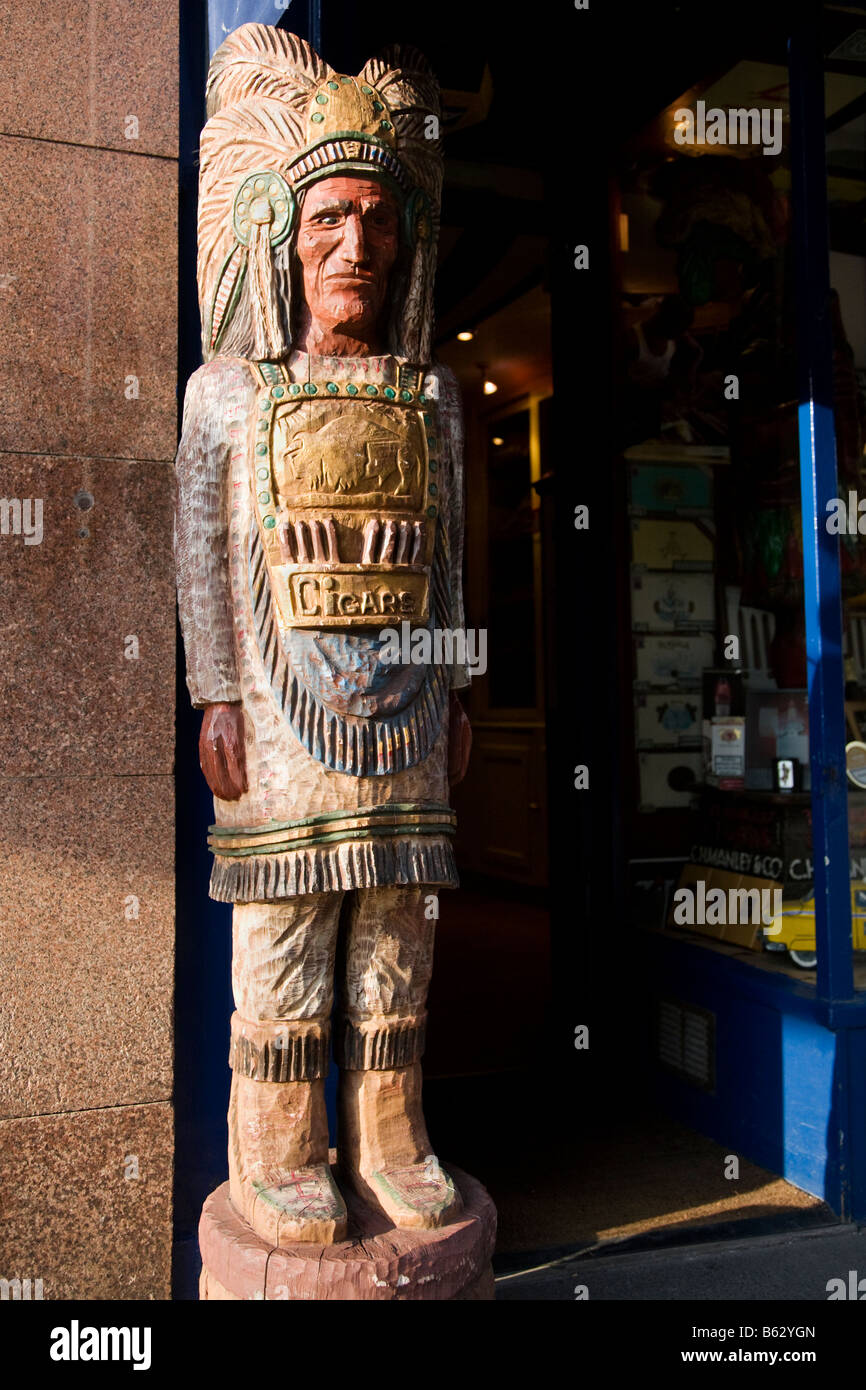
(88,409)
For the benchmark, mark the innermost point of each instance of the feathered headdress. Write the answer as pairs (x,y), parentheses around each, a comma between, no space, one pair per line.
(279,119)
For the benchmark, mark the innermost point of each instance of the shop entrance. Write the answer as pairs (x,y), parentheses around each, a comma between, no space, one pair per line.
(620,308)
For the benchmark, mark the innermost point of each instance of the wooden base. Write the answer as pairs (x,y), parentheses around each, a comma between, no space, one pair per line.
(376,1261)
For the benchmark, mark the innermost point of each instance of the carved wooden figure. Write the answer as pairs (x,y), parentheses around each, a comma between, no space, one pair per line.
(319,505)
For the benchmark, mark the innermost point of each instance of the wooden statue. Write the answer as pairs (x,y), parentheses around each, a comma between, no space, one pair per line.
(320,505)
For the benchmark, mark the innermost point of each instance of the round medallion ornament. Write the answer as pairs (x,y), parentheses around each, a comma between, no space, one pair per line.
(264,198)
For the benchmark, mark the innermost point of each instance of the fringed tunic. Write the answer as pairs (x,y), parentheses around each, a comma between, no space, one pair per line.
(346,757)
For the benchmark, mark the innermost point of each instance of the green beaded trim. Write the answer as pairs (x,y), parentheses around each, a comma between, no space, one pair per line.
(270,372)
(351,389)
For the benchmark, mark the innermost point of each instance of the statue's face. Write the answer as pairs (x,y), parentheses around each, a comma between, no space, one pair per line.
(348,239)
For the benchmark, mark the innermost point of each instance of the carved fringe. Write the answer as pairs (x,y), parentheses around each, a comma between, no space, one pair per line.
(276,1051)
(360,747)
(380,1045)
(333,869)
(267,331)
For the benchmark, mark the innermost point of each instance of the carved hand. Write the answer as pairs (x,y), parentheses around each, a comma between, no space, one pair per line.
(221,751)
(459,739)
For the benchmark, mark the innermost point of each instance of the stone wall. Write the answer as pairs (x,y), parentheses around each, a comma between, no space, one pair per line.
(88,291)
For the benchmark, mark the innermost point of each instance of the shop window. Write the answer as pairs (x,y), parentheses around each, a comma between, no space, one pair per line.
(718,773)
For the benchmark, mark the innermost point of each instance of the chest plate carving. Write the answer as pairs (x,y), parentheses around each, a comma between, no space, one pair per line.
(345,482)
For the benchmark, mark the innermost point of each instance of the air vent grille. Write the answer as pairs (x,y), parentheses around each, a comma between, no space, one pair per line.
(686,1042)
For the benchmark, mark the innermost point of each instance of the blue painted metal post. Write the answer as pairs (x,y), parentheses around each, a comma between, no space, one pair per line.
(819,483)
(314,24)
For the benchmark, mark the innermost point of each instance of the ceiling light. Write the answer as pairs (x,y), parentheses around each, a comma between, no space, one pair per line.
(465,336)
(490,388)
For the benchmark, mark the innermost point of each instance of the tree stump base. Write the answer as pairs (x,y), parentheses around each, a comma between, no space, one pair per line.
(376,1261)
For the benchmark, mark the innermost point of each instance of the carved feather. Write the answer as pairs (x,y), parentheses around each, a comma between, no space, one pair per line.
(258,60)
(235,266)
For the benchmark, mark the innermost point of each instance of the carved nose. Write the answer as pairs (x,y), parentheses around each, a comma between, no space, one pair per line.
(354,242)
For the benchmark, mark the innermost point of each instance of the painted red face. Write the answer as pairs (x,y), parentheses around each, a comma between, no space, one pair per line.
(348,238)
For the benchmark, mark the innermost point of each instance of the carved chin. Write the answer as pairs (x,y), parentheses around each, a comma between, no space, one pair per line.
(353,310)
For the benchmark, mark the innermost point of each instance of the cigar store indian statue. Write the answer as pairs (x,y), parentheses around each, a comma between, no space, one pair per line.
(320,504)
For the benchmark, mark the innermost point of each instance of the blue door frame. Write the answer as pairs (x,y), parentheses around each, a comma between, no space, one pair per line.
(819,483)
(838,1008)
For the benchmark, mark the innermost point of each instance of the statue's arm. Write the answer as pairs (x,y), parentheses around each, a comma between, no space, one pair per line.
(201,559)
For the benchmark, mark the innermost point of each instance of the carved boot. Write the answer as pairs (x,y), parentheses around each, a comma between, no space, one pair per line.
(384,1151)
(279,1177)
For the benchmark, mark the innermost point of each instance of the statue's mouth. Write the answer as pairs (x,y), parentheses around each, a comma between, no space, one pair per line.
(352,280)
